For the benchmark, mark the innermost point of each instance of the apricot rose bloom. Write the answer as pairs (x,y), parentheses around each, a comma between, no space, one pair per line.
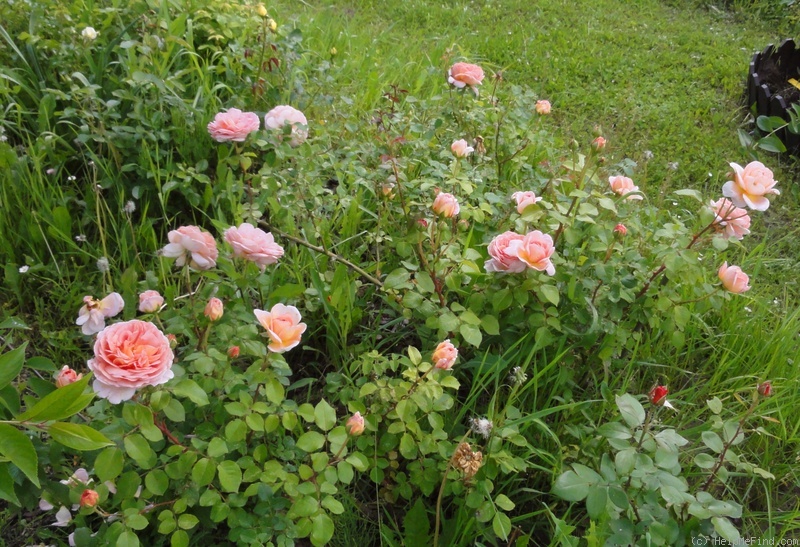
(92,315)
(283,326)
(446,205)
(524,200)
(543,107)
(462,75)
(284,114)
(733,221)
(355,425)
(445,355)
(253,244)
(461,149)
(67,376)
(623,185)
(233,125)
(214,309)
(733,278)
(535,250)
(191,241)
(128,356)
(750,186)
(150,301)
(89,498)
(504,259)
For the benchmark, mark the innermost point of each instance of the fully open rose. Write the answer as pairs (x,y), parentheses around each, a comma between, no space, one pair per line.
(750,186)
(253,244)
(128,356)
(283,326)
(233,125)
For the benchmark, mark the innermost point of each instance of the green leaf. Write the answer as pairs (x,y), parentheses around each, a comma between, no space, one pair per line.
(715,405)
(408,447)
(632,410)
(179,539)
(614,430)
(78,436)
(128,538)
(139,449)
(596,500)
(572,486)
(187,521)
(705,461)
(501,525)
(11,364)
(550,292)
(324,415)
(230,476)
(109,463)
(725,529)
(274,391)
(62,403)
(490,325)
(156,481)
(503,502)
(18,448)
(321,529)
(203,472)
(396,279)
(712,440)
(471,334)
(417,525)
(358,460)
(189,389)
(7,485)
(311,441)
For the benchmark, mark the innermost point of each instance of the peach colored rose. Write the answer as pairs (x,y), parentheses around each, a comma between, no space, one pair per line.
(733,278)
(535,250)
(543,107)
(750,185)
(462,75)
(623,185)
(355,425)
(446,205)
(284,114)
(67,376)
(214,309)
(92,315)
(524,200)
(599,143)
(283,326)
(733,221)
(150,301)
(461,149)
(503,259)
(233,352)
(445,355)
(253,244)
(128,356)
(89,498)
(233,125)
(197,244)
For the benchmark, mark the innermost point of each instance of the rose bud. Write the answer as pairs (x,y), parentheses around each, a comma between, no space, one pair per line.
(67,376)
(599,143)
(765,389)
(173,341)
(620,230)
(89,498)
(213,309)
(658,396)
(233,352)
(355,425)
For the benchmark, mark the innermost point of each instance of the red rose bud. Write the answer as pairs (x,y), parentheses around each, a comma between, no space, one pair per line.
(658,395)
(765,389)
(599,143)
(233,352)
(620,230)
(422,222)
(89,498)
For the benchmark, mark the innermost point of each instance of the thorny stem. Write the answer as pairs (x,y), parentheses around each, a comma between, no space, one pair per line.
(645,428)
(730,442)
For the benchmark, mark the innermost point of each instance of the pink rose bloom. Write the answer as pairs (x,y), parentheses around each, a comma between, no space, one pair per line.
(282,115)
(446,205)
(732,220)
(750,185)
(233,125)
(355,425)
(92,315)
(150,301)
(623,186)
(543,107)
(445,355)
(197,244)
(535,250)
(214,309)
(462,75)
(733,278)
(283,326)
(67,376)
(253,244)
(461,149)
(128,356)
(524,200)
(503,259)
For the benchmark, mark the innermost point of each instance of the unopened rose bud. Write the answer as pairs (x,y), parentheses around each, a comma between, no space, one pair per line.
(150,301)
(658,395)
(67,376)
(213,309)
(765,389)
(620,230)
(261,10)
(233,352)
(89,498)
(422,222)
(597,131)
(543,107)
(333,52)
(598,143)
(273,26)
(463,225)
(355,425)
(173,341)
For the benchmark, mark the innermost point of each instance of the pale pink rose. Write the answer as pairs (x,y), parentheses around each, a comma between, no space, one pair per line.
(445,355)
(67,376)
(502,259)
(461,149)
(128,356)
(284,114)
(253,244)
(63,517)
(623,185)
(191,241)
(92,315)
(355,425)
(214,309)
(535,250)
(79,477)
(750,185)
(150,301)
(283,326)
(524,200)
(543,107)
(733,221)
(733,278)
(233,125)
(446,205)
(465,74)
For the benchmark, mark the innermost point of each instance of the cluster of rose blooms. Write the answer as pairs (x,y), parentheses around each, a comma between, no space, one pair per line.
(234,125)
